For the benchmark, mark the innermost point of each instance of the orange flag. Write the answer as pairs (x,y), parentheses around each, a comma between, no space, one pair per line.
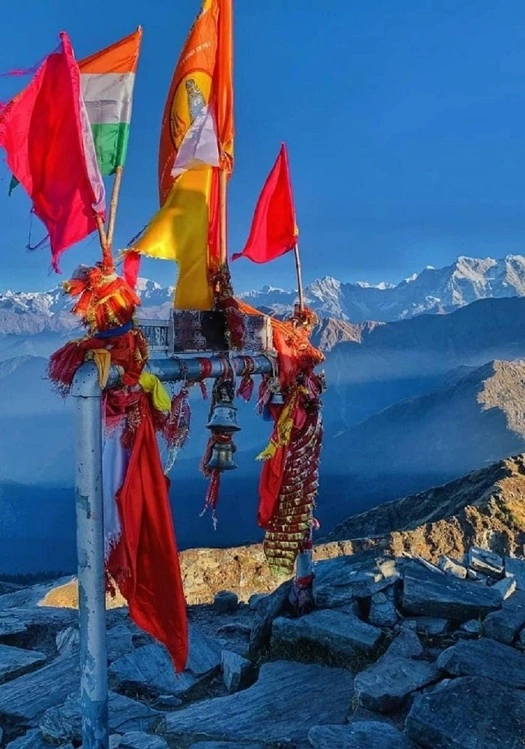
(196,142)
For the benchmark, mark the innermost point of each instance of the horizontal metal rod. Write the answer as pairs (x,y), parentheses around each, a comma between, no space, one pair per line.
(191,369)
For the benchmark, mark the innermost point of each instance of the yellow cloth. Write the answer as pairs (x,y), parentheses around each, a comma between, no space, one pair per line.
(179,231)
(282,432)
(159,395)
(102,359)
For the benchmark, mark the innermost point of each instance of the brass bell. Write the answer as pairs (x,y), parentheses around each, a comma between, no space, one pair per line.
(223,418)
(277,399)
(221,457)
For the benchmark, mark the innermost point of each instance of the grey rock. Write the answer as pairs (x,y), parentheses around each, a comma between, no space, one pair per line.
(276,708)
(119,641)
(32,596)
(11,625)
(225,602)
(521,639)
(114,741)
(516,568)
(15,662)
(486,562)
(64,723)
(504,625)
(383,612)
(385,685)
(468,713)
(451,567)
(269,609)
(506,587)
(67,640)
(405,645)
(487,659)
(30,740)
(341,634)
(351,608)
(166,702)
(447,597)
(432,626)
(225,745)
(473,628)
(476,577)
(149,669)
(427,565)
(255,600)
(1,735)
(25,699)
(237,672)
(338,581)
(140,740)
(359,735)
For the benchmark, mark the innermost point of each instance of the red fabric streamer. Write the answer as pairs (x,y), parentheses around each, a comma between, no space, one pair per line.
(131,267)
(145,562)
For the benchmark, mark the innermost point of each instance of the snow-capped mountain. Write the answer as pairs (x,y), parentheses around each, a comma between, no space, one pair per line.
(433,290)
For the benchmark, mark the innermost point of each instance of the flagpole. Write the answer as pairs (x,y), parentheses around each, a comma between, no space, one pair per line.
(113,205)
(107,259)
(224,218)
(299,276)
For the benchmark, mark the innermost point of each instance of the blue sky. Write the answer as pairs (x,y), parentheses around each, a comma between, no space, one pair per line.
(405,123)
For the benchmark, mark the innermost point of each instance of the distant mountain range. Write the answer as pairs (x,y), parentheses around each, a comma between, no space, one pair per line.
(434,291)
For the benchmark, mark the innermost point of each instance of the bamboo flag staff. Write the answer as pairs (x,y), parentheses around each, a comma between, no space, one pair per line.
(274,229)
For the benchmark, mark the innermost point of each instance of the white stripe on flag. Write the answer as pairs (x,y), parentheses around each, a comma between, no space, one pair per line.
(199,146)
(108,97)
(90,156)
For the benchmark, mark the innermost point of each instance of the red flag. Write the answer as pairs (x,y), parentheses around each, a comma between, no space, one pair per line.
(46,134)
(145,562)
(274,230)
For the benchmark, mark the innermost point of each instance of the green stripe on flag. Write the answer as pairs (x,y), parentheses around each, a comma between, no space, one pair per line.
(111,145)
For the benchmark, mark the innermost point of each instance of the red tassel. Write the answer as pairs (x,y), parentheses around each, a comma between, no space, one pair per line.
(263,396)
(212,495)
(245,390)
(177,426)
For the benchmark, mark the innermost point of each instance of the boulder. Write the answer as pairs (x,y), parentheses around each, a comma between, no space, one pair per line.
(64,723)
(405,645)
(278,707)
(504,625)
(225,602)
(225,745)
(149,669)
(468,713)
(342,635)
(255,600)
(384,686)
(516,568)
(15,662)
(485,562)
(451,567)
(237,672)
(506,587)
(67,640)
(27,698)
(447,597)
(487,659)
(359,735)
(383,612)
(11,624)
(472,628)
(268,610)
(339,580)
(119,641)
(30,740)
(431,626)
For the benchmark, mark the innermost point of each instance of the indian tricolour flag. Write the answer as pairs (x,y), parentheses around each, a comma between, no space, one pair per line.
(107,79)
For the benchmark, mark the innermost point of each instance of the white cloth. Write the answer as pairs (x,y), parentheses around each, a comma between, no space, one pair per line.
(115,460)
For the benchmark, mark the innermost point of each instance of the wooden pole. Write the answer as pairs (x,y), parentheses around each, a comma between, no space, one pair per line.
(299,277)
(224,218)
(107,258)
(113,205)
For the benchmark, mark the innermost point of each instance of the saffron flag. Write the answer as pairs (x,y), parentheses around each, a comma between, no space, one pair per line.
(107,79)
(196,142)
(274,230)
(45,132)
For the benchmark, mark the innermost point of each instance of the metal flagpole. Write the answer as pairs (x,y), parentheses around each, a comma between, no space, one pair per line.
(90,550)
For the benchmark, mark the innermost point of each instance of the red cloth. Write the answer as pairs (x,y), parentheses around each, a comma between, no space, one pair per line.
(145,563)
(270,483)
(274,230)
(131,268)
(41,131)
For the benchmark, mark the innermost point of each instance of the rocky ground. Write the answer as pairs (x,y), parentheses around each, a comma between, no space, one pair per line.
(398,653)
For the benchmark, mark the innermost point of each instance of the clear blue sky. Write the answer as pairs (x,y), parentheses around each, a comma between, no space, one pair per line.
(405,122)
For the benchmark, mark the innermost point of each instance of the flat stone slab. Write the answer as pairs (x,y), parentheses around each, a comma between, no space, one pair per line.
(27,698)
(447,597)
(341,634)
(516,568)
(64,723)
(485,562)
(225,745)
(468,713)
(11,624)
(269,609)
(31,740)
(384,686)
(150,670)
(487,659)
(338,581)
(278,707)
(504,625)
(359,735)
(140,740)
(15,662)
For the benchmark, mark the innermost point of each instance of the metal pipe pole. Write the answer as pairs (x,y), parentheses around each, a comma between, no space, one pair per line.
(179,368)
(90,550)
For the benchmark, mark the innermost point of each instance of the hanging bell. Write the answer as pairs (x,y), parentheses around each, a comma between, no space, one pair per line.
(223,418)
(221,458)
(277,399)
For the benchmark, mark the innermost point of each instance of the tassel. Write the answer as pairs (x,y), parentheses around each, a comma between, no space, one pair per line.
(212,495)
(245,390)
(177,426)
